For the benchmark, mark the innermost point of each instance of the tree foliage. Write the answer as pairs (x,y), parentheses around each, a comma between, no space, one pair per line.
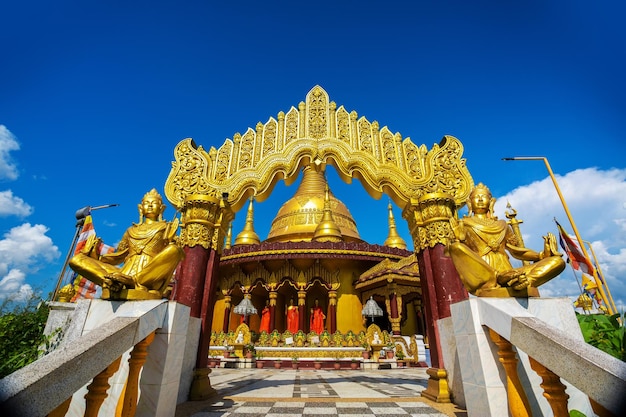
(21,333)
(604,332)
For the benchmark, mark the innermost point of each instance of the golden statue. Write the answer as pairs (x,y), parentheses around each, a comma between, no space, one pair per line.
(148,253)
(480,254)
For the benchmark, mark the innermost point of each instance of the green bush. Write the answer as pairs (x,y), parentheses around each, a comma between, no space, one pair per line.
(21,333)
(604,332)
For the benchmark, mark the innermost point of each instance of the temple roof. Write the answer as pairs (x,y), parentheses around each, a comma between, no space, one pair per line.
(404,271)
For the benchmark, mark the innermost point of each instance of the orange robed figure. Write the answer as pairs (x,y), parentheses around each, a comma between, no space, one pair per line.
(265,319)
(317,318)
(292,318)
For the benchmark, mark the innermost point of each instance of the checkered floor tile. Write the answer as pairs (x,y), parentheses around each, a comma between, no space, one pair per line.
(317,409)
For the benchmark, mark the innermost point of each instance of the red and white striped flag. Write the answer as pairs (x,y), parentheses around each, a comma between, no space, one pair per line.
(578,260)
(83,287)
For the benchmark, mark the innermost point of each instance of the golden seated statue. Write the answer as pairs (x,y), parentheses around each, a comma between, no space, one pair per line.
(480,253)
(148,253)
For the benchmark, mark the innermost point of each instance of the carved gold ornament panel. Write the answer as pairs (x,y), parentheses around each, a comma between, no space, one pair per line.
(318,132)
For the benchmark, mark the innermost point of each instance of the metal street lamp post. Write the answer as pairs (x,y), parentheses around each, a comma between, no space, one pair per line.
(569,217)
(608,290)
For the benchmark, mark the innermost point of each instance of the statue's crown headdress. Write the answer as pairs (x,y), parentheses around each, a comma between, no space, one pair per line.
(481,187)
(153,193)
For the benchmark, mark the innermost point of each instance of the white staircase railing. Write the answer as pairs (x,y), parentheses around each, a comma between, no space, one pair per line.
(48,385)
(529,356)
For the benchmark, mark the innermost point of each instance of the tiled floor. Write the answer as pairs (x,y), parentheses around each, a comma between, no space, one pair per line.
(318,409)
(287,392)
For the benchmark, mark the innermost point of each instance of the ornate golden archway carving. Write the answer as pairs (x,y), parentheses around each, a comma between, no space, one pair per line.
(318,132)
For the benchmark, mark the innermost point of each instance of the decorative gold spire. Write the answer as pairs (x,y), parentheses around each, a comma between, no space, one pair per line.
(229,237)
(299,216)
(248,236)
(327,230)
(393,239)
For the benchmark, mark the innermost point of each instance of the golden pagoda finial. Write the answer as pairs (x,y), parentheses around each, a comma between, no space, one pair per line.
(229,237)
(327,230)
(515,222)
(248,236)
(394,240)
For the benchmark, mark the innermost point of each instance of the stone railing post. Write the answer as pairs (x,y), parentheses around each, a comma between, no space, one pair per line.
(517,400)
(553,389)
(97,390)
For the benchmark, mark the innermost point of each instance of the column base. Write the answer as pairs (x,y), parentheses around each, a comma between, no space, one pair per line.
(201,388)
(437,389)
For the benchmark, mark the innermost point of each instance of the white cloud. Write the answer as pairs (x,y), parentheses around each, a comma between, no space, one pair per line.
(12,285)
(13,205)
(23,250)
(597,202)
(8,143)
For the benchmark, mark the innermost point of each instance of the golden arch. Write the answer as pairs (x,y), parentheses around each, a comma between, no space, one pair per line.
(318,132)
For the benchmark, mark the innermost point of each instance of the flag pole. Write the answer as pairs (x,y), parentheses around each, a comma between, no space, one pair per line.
(569,217)
(81,214)
(608,290)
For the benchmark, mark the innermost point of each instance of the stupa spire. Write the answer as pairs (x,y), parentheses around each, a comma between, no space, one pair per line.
(248,236)
(327,230)
(229,237)
(394,240)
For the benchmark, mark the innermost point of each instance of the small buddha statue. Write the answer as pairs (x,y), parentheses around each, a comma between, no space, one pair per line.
(147,251)
(481,252)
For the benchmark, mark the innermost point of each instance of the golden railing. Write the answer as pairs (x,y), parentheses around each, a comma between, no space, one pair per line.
(47,386)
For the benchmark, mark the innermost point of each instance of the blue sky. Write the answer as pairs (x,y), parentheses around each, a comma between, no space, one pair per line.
(94,98)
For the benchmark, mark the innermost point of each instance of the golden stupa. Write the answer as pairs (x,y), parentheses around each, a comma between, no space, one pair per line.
(299,217)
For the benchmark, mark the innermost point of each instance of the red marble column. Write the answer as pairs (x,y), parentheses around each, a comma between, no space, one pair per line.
(204,223)
(393,306)
(273,297)
(428,219)
(190,278)
(441,286)
(332,311)
(431,311)
(450,288)
(419,314)
(208,305)
(302,311)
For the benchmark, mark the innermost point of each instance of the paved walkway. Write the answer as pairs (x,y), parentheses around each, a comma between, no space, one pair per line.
(308,392)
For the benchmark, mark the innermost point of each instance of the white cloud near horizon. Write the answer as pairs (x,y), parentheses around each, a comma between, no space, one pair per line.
(24,249)
(11,205)
(597,201)
(8,143)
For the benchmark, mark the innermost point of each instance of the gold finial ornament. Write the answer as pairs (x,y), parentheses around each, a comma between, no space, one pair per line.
(66,293)
(394,240)
(481,253)
(148,251)
(229,237)
(327,230)
(511,214)
(248,236)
